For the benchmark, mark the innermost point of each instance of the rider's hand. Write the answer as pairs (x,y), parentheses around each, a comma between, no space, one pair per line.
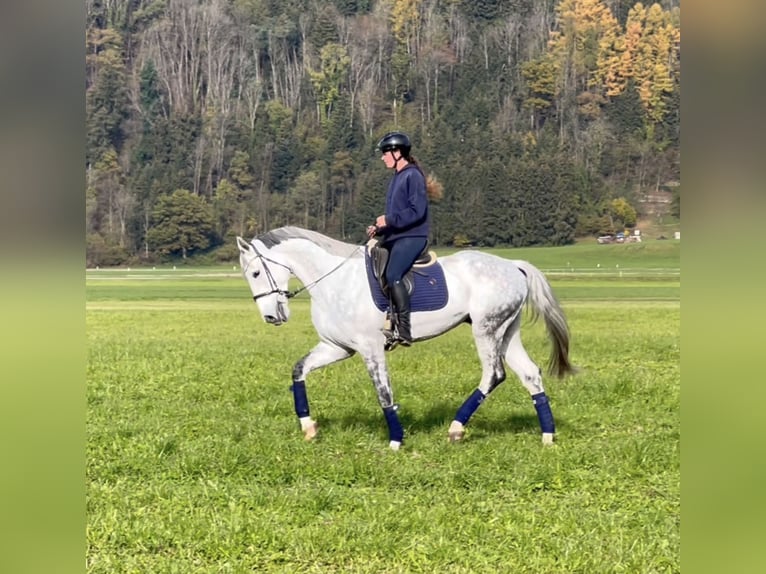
(371,231)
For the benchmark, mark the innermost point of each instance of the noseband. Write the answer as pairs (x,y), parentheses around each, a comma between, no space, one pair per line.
(272,282)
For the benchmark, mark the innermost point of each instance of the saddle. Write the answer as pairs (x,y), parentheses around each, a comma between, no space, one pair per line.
(379,259)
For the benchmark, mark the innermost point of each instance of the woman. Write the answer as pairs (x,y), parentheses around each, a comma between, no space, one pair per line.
(405,225)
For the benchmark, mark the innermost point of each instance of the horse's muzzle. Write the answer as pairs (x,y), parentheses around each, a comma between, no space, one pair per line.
(279,318)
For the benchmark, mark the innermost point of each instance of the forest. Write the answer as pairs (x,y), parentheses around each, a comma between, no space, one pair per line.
(544,120)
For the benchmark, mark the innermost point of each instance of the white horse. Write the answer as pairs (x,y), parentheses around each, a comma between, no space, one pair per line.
(486,291)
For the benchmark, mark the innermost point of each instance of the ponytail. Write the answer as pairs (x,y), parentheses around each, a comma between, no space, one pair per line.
(434,188)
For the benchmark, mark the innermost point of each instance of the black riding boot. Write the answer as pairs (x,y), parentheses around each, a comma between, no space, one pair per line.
(401,300)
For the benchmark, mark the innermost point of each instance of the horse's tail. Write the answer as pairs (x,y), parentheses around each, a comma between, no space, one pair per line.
(542,301)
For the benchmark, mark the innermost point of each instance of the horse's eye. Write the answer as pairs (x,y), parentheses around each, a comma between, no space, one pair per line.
(255,274)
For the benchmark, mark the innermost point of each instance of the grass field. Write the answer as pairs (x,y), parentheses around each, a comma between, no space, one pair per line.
(195,462)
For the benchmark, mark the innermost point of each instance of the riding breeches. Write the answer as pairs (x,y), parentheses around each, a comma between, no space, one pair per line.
(402,254)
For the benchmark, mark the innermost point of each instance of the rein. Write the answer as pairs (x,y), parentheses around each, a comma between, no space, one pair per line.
(273,283)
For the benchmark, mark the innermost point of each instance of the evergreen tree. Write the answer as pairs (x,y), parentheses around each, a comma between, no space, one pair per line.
(106,99)
(485,10)
(625,111)
(675,204)
(323,31)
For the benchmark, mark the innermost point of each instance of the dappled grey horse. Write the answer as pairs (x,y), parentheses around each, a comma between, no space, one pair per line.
(486,291)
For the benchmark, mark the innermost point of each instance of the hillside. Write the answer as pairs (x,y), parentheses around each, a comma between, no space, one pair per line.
(207,120)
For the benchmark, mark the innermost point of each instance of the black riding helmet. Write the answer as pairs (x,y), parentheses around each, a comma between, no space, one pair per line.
(395,140)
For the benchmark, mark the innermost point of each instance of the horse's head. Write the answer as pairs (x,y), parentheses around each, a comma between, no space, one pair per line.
(268,281)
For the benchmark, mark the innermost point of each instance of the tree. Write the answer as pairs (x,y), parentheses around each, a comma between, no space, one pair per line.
(625,111)
(675,202)
(330,78)
(645,55)
(484,10)
(323,28)
(109,200)
(541,79)
(655,60)
(227,209)
(106,97)
(367,38)
(434,54)
(341,190)
(583,37)
(183,224)
(623,214)
(304,200)
(544,207)
(404,20)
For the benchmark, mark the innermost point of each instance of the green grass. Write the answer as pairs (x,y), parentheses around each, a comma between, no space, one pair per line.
(196,464)
(591,256)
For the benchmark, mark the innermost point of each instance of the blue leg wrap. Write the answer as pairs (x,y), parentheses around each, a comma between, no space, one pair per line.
(544,413)
(469,406)
(301,400)
(395,430)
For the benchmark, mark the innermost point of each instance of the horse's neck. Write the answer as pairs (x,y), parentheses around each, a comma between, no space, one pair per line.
(308,261)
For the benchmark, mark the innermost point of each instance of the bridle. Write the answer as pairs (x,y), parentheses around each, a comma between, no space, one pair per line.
(272,282)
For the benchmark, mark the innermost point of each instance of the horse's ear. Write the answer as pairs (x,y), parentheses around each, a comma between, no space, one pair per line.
(243,245)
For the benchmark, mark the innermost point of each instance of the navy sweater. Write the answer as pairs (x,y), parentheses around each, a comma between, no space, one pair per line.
(406,205)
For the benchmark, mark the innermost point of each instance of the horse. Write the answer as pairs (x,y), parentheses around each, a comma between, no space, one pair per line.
(486,291)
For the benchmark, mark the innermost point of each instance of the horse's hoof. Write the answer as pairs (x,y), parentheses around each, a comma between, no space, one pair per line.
(547,438)
(456,436)
(310,432)
(456,432)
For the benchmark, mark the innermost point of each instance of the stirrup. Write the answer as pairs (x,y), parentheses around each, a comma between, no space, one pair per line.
(393,340)
(389,333)
(390,344)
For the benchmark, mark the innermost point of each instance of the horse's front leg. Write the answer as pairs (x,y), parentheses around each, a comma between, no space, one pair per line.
(320,356)
(376,367)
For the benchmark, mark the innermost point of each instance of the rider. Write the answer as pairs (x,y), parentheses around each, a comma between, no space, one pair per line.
(405,224)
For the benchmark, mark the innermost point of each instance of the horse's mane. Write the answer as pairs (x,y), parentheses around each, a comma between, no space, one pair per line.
(332,246)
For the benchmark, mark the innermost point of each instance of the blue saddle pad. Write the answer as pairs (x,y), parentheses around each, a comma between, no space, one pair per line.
(429,291)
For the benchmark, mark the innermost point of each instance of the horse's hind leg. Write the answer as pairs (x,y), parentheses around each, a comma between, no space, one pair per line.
(489,344)
(320,356)
(529,373)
